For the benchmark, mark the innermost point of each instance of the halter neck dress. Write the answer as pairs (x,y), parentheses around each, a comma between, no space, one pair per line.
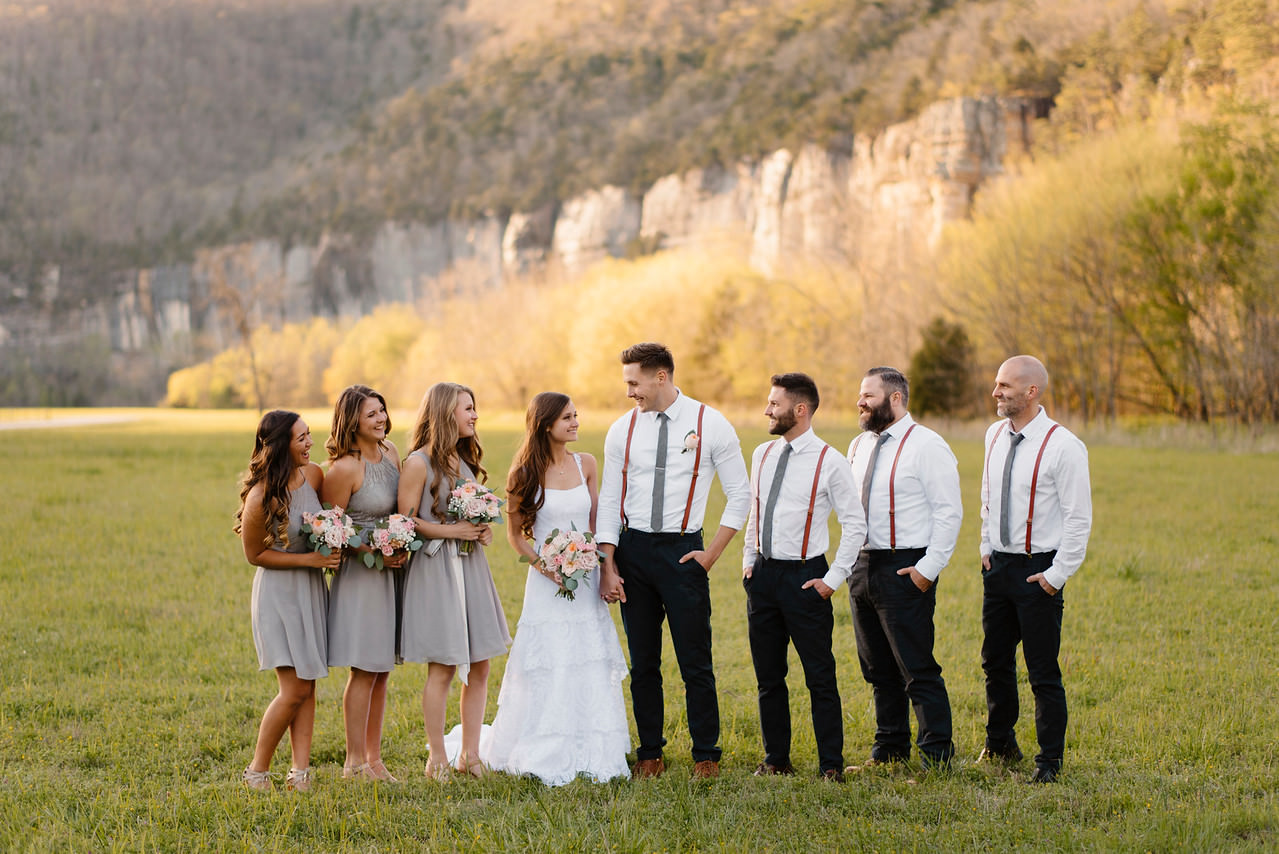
(362,599)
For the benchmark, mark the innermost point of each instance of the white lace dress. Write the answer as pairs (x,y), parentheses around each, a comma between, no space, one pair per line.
(560,710)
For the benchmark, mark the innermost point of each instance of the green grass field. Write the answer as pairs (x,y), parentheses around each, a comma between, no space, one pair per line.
(131,695)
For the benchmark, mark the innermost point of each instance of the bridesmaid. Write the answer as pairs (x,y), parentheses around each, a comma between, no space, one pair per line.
(289,596)
(452,616)
(364,473)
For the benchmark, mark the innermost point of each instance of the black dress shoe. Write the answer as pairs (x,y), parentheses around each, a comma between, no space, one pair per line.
(1008,756)
(1044,774)
(832,775)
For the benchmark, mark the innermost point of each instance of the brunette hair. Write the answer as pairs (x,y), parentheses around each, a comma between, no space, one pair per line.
(800,387)
(650,356)
(435,431)
(893,380)
(271,466)
(346,421)
(528,469)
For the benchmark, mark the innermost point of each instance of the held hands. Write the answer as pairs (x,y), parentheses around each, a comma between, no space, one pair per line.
(1038,577)
(917,577)
(611,584)
(823,589)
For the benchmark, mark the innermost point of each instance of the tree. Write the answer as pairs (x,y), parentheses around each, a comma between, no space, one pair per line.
(941,370)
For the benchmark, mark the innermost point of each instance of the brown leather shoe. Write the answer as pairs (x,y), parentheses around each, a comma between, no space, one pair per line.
(766,770)
(706,769)
(646,768)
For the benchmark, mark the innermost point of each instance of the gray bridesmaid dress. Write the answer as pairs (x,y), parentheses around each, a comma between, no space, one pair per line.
(289,605)
(450,617)
(362,599)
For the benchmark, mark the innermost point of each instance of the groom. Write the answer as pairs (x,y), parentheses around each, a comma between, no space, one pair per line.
(659,460)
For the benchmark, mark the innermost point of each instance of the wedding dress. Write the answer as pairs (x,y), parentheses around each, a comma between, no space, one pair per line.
(561,713)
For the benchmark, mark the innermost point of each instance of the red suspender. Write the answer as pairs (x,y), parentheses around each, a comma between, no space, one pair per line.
(989,449)
(626,463)
(1034,483)
(697,464)
(892,492)
(812,500)
(759,472)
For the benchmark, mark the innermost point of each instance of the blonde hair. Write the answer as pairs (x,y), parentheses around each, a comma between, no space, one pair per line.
(435,432)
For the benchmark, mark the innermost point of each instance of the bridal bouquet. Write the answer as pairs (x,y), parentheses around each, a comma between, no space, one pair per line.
(571,555)
(475,503)
(329,529)
(394,533)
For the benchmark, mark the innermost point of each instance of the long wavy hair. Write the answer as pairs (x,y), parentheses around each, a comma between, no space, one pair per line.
(272,466)
(528,469)
(435,432)
(346,421)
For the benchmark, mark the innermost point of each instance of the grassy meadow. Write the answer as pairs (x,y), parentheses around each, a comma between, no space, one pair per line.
(131,696)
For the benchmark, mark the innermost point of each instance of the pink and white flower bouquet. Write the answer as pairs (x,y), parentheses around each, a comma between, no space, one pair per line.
(329,529)
(390,535)
(475,503)
(570,556)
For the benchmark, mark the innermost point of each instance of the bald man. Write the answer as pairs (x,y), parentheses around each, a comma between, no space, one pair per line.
(1036,514)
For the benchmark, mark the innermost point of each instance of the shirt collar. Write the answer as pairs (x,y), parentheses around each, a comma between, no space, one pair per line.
(1037,425)
(899,429)
(803,442)
(676,409)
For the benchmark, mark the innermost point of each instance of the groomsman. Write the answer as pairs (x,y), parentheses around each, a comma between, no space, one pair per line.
(1036,514)
(797,481)
(659,461)
(909,487)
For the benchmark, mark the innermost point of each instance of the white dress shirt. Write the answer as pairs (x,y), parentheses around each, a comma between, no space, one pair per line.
(835,491)
(1063,495)
(721,455)
(928,504)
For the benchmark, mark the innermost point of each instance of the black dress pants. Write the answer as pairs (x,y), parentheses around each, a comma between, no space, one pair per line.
(659,587)
(779,612)
(1014,611)
(893,621)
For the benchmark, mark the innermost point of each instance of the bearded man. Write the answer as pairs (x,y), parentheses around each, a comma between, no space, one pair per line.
(909,489)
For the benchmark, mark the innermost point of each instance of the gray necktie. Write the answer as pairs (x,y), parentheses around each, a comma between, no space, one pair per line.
(773,492)
(870,473)
(659,474)
(1014,439)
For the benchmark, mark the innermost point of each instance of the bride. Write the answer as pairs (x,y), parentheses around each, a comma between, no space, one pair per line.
(560,710)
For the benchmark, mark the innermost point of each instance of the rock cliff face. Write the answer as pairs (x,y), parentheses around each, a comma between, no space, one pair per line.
(882,203)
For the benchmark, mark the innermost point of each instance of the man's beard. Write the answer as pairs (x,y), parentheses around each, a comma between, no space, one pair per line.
(784,421)
(878,418)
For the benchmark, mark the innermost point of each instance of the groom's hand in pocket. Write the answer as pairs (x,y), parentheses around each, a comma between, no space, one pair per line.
(703,559)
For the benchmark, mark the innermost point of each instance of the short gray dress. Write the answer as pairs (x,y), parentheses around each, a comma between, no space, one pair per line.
(362,600)
(451,617)
(289,605)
